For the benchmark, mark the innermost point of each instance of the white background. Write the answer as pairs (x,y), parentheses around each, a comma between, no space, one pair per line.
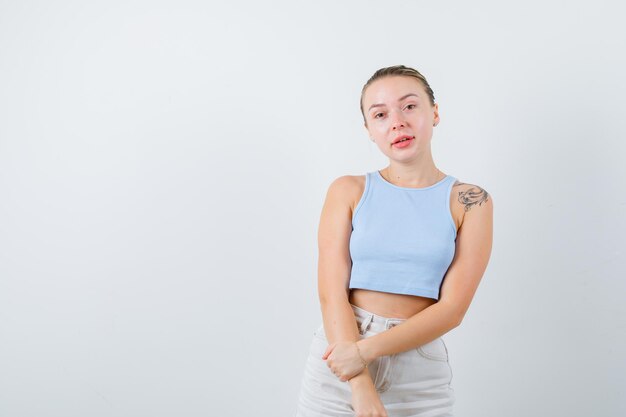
(163,166)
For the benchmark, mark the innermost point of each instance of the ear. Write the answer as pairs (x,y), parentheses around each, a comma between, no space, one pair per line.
(436,114)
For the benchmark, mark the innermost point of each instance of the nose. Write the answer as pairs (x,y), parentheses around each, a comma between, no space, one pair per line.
(397,120)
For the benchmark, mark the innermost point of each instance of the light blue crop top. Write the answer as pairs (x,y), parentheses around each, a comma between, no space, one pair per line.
(403,239)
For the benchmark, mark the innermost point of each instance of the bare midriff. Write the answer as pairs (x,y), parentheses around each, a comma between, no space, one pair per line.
(399,306)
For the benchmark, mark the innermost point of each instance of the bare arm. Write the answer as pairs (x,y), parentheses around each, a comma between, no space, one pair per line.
(334,267)
(473,249)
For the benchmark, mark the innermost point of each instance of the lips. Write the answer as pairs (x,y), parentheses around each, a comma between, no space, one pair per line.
(399,138)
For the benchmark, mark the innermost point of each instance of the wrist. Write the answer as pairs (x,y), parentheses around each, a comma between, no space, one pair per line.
(366,350)
(361,380)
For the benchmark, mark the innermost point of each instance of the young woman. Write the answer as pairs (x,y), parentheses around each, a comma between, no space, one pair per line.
(401,253)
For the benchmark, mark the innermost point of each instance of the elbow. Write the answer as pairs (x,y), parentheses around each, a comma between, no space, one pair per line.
(331,293)
(453,312)
(333,297)
(457,318)
(454,315)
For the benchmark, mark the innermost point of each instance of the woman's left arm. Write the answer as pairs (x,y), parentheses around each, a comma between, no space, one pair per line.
(472,252)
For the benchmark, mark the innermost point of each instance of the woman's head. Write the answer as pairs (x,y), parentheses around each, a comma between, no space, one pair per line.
(399,112)
(397,70)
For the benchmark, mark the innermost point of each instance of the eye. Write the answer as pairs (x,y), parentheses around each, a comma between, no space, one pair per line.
(376,115)
(411,106)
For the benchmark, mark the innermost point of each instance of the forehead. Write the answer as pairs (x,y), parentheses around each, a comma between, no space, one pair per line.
(388,90)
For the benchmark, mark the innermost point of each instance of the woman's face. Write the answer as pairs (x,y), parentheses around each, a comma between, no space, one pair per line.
(396,107)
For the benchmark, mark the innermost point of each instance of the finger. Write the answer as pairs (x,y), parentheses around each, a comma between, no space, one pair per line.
(329,349)
(326,352)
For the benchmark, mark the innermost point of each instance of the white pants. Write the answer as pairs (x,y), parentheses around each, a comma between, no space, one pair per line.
(415,383)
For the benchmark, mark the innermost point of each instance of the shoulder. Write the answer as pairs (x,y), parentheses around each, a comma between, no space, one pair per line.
(347,185)
(347,190)
(470,203)
(471,196)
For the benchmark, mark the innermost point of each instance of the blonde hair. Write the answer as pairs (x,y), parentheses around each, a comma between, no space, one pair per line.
(398,70)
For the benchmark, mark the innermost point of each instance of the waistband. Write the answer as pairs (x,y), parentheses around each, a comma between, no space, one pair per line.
(373,322)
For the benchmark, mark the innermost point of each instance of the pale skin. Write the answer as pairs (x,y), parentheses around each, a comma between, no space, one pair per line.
(394,106)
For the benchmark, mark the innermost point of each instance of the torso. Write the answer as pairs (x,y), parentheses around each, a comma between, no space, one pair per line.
(389,304)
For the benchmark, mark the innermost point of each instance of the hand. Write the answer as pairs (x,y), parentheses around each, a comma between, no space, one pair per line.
(344,360)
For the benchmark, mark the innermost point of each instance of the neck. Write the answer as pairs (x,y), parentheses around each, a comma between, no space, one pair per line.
(412,176)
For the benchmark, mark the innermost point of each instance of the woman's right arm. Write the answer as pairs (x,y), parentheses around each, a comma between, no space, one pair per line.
(334,267)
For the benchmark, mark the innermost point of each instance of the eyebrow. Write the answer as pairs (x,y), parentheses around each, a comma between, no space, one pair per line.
(400,99)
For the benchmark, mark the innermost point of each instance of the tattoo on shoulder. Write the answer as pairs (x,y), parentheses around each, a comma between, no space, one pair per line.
(472,196)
